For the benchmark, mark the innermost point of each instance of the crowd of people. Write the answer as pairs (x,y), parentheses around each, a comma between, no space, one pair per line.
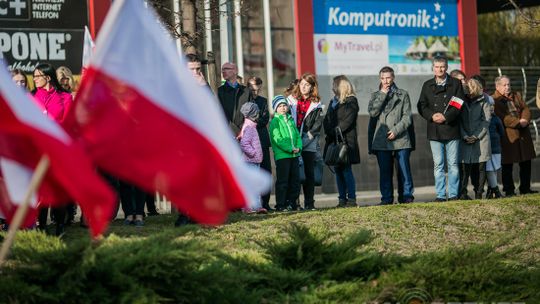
(472,135)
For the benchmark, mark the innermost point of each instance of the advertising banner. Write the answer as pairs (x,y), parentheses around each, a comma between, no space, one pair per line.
(38,31)
(357,37)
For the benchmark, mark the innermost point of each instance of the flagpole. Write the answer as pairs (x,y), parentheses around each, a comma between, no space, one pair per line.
(20,214)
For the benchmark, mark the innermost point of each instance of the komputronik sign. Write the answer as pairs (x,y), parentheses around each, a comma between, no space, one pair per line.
(357,37)
(37,31)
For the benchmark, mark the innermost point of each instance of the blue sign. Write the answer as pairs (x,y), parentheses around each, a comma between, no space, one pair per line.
(398,17)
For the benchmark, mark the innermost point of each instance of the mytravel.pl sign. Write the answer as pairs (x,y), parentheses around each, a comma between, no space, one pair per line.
(359,37)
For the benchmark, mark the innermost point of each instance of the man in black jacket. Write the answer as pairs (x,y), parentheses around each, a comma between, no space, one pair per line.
(255,85)
(440,104)
(232,95)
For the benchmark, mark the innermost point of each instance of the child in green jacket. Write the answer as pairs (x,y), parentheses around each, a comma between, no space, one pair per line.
(286,145)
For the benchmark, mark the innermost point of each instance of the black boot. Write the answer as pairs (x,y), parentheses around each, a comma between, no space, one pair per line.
(489,194)
(496,193)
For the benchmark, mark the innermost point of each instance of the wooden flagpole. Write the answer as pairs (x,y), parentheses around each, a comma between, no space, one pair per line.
(20,214)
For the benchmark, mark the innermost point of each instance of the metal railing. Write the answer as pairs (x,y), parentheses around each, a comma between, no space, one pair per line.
(524,80)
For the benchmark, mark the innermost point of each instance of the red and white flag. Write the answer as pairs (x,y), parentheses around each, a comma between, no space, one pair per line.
(456,102)
(144,119)
(88,50)
(26,135)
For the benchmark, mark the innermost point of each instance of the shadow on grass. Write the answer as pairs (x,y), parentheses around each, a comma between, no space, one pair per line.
(303,266)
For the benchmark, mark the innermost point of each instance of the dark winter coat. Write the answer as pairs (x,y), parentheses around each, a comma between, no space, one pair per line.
(343,115)
(517,145)
(496,132)
(262,122)
(231,100)
(435,99)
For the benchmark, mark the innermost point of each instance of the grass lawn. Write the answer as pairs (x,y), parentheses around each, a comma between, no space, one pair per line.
(482,251)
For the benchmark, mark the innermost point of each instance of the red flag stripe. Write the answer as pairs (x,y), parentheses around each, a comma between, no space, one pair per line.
(131,137)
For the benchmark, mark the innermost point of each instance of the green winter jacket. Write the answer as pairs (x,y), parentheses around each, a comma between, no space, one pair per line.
(284,137)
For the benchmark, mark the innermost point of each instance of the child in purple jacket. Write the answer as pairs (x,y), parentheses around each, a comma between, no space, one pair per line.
(250,143)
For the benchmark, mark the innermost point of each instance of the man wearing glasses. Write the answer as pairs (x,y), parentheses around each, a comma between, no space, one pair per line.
(232,95)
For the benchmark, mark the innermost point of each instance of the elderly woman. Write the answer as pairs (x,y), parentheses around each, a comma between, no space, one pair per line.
(389,136)
(475,146)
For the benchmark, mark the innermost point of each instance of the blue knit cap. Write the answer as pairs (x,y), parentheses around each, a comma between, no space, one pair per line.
(278,99)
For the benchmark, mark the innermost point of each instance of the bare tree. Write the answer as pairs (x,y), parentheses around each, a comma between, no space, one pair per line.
(526,15)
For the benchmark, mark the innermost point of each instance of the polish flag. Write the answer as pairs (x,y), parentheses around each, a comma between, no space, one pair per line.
(144,119)
(456,102)
(88,50)
(25,135)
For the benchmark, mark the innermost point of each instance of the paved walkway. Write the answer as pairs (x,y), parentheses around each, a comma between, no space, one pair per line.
(363,198)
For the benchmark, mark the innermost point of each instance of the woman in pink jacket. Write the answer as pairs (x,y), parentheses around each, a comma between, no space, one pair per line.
(54,100)
(49,94)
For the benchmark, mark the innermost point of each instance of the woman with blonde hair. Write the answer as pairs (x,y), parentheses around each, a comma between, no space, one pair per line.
(475,145)
(390,137)
(306,110)
(342,113)
(66,80)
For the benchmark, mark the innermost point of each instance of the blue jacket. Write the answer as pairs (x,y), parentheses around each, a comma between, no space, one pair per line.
(496,131)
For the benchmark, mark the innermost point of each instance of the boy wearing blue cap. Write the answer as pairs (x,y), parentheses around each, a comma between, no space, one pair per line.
(286,145)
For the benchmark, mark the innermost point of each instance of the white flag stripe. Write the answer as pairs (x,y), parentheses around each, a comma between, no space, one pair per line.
(88,47)
(148,68)
(17,179)
(26,110)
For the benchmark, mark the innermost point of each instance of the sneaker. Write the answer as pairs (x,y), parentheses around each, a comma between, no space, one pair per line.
(139,223)
(440,200)
(510,194)
(128,222)
(262,211)
(408,200)
(528,192)
(152,213)
(248,211)
(351,202)
(386,203)
(342,203)
(455,198)
(182,220)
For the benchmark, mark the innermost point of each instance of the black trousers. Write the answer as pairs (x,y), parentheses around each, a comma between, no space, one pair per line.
(59,214)
(477,173)
(524,177)
(132,199)
(150,199)
(287,182)
(309,184)
(267,166)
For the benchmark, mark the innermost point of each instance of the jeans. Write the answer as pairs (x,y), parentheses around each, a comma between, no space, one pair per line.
(405,180)
(385,160)
(446,152)
(345,182)
(287,182)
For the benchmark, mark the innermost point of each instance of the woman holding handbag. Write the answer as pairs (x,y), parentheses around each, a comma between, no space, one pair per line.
(390,136)
(340,124)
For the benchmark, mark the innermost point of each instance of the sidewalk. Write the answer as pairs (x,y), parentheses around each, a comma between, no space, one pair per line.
(363,198)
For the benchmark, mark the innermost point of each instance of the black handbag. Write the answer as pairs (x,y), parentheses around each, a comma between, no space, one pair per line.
(337,153)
